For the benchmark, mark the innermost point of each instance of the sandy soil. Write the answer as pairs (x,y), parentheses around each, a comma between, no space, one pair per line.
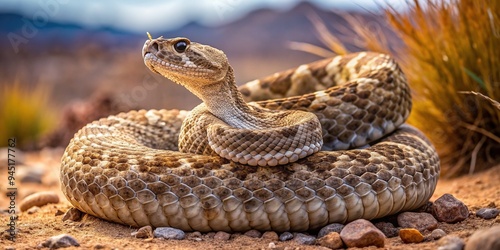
(476,191)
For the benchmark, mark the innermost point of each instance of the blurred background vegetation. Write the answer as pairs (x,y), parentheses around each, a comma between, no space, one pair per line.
(65,74)
(451,57)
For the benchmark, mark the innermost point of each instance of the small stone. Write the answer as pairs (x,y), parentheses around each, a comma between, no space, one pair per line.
(72,214)
(143,232)
(304,239)
(419,221)
(195,234)
(334,227)
(210,235)
(484,239)
(410,235)
(286,236)
(270,235)
(169,233)
(487,213)
(388,229)
(58,213)
(253,233)
(222,236)
(271,245)
(38,199)
(362,233)
(33,174)
(332,240)
(450,242)
(60,241)
(450,210)
(33,210)
(438,234)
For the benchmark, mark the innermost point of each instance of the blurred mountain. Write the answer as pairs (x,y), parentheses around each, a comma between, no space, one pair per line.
(76,61)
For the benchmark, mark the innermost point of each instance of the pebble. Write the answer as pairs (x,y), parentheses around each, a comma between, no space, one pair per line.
(419,221)
(410,235)
(38,199)
(271,245)
(169,233)
(32,174)
(332,240)
(72,214)
(438,234)
(388,229)
(58,213)
(143,232)
(222,236)
(286,236)
(362,233)
(450,210)
(335,227)
(450,242)
(270,235)
(304,239)
(487,213)
(484,239)
(253,233)
(33,210)
(60,241)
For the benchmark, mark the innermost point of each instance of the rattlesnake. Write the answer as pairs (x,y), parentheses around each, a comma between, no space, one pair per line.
(127,168)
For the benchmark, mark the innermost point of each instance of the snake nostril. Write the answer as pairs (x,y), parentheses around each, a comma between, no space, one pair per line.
(155,46)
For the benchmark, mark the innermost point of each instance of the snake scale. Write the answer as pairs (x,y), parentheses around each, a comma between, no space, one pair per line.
(328,145)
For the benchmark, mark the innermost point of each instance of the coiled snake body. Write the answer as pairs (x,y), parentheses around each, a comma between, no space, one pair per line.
(232,166)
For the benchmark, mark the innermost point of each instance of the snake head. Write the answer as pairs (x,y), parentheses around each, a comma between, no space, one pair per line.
(184,62)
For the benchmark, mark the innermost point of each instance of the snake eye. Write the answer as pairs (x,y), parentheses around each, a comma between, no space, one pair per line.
(181,46)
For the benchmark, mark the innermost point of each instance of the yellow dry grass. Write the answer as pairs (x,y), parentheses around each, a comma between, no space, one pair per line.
(451,56)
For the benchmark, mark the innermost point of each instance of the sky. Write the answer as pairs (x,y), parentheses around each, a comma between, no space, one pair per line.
(137,16)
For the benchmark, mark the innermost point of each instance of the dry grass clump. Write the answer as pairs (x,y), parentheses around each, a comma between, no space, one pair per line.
(25,114)
(451,56)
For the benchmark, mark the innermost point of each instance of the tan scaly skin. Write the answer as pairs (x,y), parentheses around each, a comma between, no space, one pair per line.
(255,166)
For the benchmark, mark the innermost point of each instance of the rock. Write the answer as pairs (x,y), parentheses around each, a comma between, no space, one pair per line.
(210,235)
(388,229)
(450,242)
(169,233)
(60,241)
(72,214)
(438,234)
(38,199)
(271,245)
(143,232)
(222,236)
(58,213)
(487,213)
(484,239)
(286,236)
(253,233)
(304,239)
(410,235)
(332,240)
(32,174)
(335,227)
(362,233)
(270,235)
(450,210)
(419,221)
(33,210)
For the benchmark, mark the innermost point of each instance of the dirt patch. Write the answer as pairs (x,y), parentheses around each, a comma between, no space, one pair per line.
(476,191)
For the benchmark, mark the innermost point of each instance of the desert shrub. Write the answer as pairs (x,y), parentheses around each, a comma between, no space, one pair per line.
(25,113)
(450,53)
